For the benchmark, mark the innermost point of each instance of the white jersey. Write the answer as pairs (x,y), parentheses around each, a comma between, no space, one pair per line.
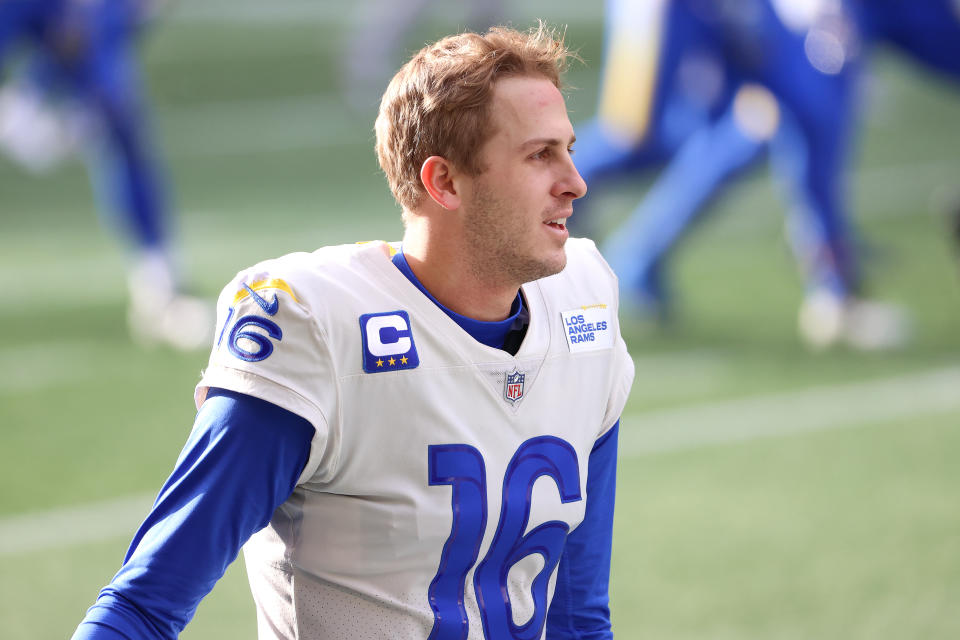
(444,474)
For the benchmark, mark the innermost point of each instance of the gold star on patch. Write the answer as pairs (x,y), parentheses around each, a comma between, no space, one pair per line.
(379,363)
(403,360)
(391,362)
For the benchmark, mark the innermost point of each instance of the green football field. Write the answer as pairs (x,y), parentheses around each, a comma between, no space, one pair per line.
(764,491)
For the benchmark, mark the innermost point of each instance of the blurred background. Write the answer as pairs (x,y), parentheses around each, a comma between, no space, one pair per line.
(781,474)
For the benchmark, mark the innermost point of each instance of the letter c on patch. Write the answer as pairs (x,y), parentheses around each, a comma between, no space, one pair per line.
(379,333)
(388,343)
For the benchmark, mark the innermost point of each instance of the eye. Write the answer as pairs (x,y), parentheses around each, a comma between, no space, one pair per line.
(542,154)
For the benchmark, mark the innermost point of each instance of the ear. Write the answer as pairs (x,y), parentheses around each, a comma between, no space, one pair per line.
(436,174)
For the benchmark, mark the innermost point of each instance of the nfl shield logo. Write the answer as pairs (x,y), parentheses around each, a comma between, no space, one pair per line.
(513,387)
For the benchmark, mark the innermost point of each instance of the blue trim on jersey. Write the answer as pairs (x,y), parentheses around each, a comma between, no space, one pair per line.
(580,609)
(242,461)
(492,334)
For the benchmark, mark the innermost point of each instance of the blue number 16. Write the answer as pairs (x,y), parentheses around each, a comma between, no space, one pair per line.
(462,467)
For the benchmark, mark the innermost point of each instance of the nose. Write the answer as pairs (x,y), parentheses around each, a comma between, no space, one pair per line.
(571,185)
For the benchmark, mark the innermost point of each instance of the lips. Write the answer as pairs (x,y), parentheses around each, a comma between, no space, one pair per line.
(560,221)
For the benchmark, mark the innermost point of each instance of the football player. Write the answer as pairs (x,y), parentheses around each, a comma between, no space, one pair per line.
(662,79)
(82,58)
(414,440)
(794,71)
(778,91)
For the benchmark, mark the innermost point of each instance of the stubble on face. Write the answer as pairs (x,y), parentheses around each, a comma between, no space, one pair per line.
(502,252)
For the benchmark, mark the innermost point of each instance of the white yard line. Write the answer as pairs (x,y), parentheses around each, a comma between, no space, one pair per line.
(37,367)
(771,415)
(834,407)
(70,526)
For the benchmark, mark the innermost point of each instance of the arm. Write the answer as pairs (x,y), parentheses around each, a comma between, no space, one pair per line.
(580,608)
(241,462)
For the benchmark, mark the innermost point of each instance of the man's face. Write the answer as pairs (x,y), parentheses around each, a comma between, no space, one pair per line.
(516,210)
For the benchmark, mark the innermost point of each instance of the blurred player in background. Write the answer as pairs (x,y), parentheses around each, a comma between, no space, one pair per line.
(792,72)
(79,87)
(661,81)
(418,441)
(771,87)
(377,41)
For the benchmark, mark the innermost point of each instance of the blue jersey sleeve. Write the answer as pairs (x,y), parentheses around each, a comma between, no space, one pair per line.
(241,462)
(580,608)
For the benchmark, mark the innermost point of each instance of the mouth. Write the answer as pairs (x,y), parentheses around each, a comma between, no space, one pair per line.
(559,224)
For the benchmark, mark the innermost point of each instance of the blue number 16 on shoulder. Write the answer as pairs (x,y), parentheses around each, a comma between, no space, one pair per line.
(462,467)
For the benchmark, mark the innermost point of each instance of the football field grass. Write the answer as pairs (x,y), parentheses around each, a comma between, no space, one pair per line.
(764,491)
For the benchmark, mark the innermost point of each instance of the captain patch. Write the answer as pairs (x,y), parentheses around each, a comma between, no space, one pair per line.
(588,328)
(387,342)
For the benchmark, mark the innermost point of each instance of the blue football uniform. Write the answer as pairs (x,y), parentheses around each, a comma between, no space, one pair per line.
(81,56)
(810,65)
(811,113)
(927,31)
(83,52)
(662,79)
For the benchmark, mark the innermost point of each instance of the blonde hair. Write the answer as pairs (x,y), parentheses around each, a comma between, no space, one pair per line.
(438,103)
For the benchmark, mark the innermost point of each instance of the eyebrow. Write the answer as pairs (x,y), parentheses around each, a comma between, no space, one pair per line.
(550,142)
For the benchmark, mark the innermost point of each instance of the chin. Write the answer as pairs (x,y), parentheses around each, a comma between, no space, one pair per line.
(561,264)
(555,264)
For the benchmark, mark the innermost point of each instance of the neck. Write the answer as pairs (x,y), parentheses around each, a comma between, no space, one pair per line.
(441,267)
